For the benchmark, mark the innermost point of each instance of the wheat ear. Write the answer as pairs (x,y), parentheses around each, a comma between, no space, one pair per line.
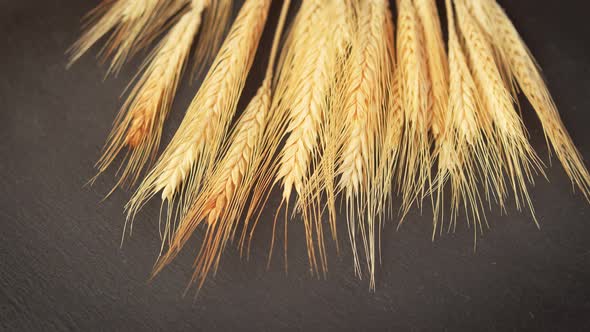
(310,83)
(464,155)
(368,77)
(322,184)
(221,201)
(139,123)
(311,61)
(522,66)
(518,159)
(224,195)
(195,145)
(416,101)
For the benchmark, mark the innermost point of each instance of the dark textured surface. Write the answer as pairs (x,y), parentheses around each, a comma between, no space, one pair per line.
(61,266)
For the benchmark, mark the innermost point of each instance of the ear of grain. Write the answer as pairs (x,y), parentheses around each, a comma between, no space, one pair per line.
(195,145)
(222,200)
(416,101)
(368,78)
(230,184)
(524,69)
(464,154)
(518,160)
(139,124)
(307,72)
(436,59)
(332,135)
(320,185)
(307,108)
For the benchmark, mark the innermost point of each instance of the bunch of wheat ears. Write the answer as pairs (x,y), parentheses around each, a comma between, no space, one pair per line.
(357,112)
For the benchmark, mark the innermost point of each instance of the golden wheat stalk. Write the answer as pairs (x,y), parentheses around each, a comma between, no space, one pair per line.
(517,158)
(417,103)
(521,66)
(196,144)
(139,123)
(368,76)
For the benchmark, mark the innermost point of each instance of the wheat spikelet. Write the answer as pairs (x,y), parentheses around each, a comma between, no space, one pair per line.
(368,78)
(523,68)
(517,158)
(139,124)
(240,152)
(416,101)
(194,147)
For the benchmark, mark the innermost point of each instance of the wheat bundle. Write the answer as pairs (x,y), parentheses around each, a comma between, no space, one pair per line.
(358,113)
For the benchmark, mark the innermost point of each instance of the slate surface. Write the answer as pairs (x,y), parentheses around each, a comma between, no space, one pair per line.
(61,266)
